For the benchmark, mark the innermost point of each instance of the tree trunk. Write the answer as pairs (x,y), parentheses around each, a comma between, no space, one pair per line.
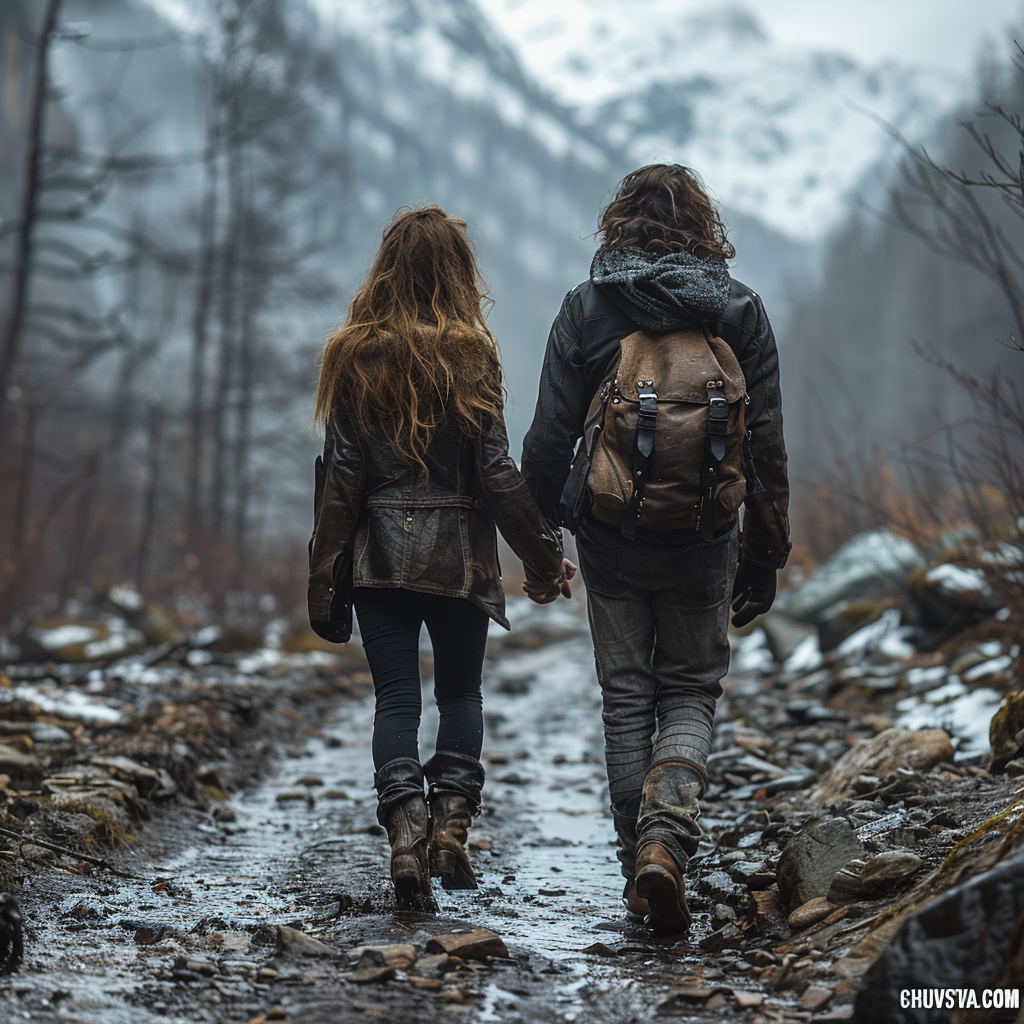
(21,261)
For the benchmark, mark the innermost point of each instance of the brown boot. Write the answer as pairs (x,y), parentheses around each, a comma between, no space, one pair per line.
(635,906)
(450,818)
(456,782)
(659,881)
(402,810)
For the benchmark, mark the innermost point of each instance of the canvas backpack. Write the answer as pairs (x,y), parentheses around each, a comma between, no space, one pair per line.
(664,445)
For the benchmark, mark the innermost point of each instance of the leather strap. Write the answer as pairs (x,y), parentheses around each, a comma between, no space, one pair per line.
(643,446)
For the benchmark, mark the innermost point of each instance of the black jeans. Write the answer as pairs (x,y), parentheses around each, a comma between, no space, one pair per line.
(389,623)
(659,617)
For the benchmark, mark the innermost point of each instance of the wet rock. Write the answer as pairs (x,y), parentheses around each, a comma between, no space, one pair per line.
(16,762)
(372,967)
(514,779)
(959,940)
(784,634)
(1006,732)
(846,886)
(309,781)
(811,859)
(843,619)
(477,944)
(815,998)
(224,813)
(40,732)
(686,996)
(143,778)
(296,796)
(12,942)
(600,949)
(809,913)
(881,756)
(885,871)
(292,942)
(721,915)
(401,956)
(869,566)
(437,965)
(946,597)
(766,904)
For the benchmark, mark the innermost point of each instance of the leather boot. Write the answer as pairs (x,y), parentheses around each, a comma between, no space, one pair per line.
(636,908)
(402,810)
(659,881)
(667,834)
(456,782)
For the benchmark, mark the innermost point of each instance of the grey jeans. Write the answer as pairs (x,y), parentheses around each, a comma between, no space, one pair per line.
(659,617)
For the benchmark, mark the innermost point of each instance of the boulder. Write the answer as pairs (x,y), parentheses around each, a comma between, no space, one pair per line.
(880,756)
(960,940)
(812,857)
(868,567)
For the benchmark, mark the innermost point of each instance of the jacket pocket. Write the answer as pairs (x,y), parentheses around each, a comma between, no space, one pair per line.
(379,547)
(437,549)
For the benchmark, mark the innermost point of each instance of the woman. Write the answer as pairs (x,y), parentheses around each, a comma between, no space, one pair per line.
(415,475)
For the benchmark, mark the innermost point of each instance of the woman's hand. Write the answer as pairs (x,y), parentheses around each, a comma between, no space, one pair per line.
(544,593)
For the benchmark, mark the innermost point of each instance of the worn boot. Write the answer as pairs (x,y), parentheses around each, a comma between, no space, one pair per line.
(668,835)
(402,810)
(636,908)
(625,834)
(456,782)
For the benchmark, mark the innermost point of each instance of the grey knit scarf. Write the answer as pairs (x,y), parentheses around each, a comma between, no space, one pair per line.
(662,292)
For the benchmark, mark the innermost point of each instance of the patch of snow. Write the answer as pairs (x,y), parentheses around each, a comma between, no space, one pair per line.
(62,636)
(806,656)
(125,597)
(966,717)
(752,653)
(920,678)
(68,703)
(958,579)
(993,667)
(871,636)
(954,688)
(113,644)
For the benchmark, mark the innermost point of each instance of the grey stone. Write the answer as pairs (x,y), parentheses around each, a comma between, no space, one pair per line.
(959,940)
(885,871)
(812,857)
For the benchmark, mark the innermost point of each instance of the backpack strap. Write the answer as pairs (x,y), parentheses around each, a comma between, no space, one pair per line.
(714,451)
(643,445)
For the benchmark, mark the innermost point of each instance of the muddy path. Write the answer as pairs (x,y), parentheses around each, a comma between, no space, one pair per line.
(196,936)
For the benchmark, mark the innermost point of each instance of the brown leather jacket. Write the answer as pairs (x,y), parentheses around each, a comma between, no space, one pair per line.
(381,522)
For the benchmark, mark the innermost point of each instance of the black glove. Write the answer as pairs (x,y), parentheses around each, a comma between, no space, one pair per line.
(753,592)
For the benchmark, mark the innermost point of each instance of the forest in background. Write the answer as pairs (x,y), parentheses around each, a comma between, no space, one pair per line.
(184,214)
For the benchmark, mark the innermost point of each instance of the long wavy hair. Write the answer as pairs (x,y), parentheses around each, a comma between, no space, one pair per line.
(415,349)
(664,208)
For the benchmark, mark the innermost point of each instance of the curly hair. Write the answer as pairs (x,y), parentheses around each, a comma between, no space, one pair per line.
(664,208)
(415,349)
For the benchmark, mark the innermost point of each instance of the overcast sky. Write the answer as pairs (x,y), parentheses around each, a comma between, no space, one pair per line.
(947,33)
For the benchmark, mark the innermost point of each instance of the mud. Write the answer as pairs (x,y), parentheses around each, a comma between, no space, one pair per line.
(193,937)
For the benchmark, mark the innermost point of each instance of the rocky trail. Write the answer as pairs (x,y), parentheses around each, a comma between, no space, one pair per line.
(189,831)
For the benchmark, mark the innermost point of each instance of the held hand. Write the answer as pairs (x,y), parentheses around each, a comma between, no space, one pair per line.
(568,571)
(753,592)
(541,592)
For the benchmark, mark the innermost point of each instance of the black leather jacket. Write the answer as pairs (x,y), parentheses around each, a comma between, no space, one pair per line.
(584,338)
(381,522)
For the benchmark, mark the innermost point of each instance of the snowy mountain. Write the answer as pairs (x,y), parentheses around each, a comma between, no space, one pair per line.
(783,133)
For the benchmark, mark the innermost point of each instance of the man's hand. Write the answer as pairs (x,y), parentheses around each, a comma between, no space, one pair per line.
(544,593)
(753,592)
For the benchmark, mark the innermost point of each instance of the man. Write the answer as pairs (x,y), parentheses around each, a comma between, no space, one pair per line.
(659,599)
